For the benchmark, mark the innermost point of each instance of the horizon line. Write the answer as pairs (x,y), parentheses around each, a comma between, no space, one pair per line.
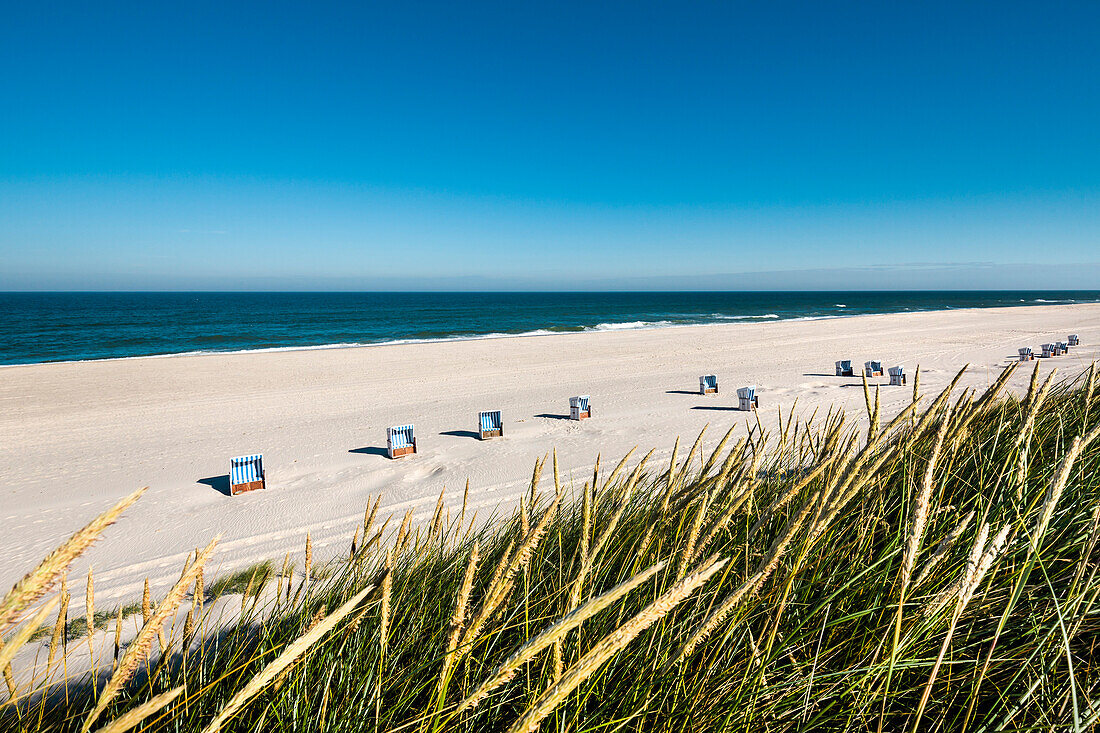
(109,291)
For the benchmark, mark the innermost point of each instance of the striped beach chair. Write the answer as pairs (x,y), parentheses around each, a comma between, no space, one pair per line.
(873,368)
(1062,347)
(1049,350)
(1026,354)
(897,376)
(708,384)
(844,368)
(747,399)
(579,409)
(246,473)
(490,424)
(1073,340)
(400,441)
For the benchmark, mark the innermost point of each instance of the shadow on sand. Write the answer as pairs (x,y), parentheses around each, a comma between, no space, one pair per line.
(462,434)
(371,450)
(218,483)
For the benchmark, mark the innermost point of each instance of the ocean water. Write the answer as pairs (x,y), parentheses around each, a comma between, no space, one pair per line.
(45,327)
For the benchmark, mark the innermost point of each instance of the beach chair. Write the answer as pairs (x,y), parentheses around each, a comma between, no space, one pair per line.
(897,376)
(1026,354)
(490,424)
(579,409)
(873,369)
(844,369)
(1048,350)
(1063,347)
(246,473)
(708,384)
(1073,340)
(400,441)
(747,399)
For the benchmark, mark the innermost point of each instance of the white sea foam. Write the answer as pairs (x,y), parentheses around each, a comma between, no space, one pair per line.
(816,318)
(630,325)
(744,318)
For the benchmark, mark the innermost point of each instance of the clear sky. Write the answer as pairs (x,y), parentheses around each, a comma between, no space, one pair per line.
(373,145)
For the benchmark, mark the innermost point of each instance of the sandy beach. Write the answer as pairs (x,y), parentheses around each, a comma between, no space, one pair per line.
(74,437)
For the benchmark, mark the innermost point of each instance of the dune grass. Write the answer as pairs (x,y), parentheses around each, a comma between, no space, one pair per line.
(938,572)
(250,581)
(78,627)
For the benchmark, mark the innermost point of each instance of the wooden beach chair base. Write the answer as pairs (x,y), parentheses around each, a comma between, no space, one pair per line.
(750,405)
(709,390)
(235,489)
(408,450)
(486,434)
(582,414)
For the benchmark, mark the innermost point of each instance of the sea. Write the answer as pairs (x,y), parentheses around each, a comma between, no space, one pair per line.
(55,327)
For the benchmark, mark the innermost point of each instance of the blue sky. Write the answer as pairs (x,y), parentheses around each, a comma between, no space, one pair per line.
(321,145)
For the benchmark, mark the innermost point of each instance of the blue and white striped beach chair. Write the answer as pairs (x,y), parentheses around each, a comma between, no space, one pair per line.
(490,424)
(873,368)
(1026,354)
(708,384)
(1062,347)
(400,441)
(844,368)
(579,409)
(1049,350)
(1074,340)
(747,399)
(246,473)
(897,376)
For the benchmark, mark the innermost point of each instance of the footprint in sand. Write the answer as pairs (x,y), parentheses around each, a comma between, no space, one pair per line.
(422,472)
(813,386)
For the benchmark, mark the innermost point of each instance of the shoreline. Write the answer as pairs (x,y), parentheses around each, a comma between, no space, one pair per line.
(536,333)
(76,436)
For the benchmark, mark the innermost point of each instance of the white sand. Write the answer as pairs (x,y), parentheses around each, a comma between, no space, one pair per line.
(75,437)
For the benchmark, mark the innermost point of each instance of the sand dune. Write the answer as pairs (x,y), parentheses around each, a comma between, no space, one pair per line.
(75,437)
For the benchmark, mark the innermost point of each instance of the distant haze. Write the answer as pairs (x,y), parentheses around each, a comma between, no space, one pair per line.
(902,277)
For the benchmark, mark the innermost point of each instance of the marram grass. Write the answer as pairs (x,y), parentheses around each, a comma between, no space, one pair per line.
(939,573)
